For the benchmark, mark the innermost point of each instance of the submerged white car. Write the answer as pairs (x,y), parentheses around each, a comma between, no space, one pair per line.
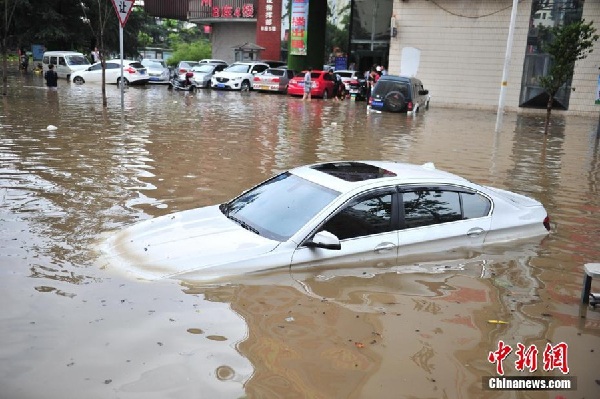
(334,213)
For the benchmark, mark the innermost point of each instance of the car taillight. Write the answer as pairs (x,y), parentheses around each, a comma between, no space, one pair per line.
(410,105)
(182,70)
(547,223)
(256,79)
(275,80)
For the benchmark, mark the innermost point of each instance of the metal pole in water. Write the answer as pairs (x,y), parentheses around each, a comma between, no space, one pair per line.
(121,82)
(509,43)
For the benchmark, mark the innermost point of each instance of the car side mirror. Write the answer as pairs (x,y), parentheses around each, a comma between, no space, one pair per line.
(423,92)
(326,240)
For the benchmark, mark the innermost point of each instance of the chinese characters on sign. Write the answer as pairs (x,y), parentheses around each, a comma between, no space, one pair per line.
(123,9)
(228,11)
(298,28)
(554,357)
(268,25)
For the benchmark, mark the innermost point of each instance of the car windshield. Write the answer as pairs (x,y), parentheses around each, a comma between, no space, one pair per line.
(204,68)
(239,68)
(77,60)
(279,207)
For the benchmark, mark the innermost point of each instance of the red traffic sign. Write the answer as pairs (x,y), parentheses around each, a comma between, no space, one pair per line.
(123,9)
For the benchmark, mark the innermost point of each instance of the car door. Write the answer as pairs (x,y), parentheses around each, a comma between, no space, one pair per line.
(94,73)
(439,218)
(367,228)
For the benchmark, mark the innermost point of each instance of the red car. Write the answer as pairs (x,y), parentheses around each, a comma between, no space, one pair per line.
(322,84)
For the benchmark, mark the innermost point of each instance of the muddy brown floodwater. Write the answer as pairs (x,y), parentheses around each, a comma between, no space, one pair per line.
(72,327)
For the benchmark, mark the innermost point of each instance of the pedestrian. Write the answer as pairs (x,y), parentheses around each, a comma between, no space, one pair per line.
(307,85)
(24,60)
(51,77)
(336,84)
(383,71)
(96,55)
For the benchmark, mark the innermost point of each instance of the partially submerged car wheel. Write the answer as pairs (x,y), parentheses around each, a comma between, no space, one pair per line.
(394,102)
(245,86)
(78,80)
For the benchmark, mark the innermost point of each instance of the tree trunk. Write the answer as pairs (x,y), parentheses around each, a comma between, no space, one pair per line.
(548,112)
(4,67)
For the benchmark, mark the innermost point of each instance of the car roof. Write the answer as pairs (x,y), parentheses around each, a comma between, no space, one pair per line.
(398,78)
(344,176)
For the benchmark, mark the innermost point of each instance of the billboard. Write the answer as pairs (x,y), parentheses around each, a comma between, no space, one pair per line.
(299,27)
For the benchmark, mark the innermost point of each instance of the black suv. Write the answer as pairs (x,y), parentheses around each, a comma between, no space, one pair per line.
(398,94)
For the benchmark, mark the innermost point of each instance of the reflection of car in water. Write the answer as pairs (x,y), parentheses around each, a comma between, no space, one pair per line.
(399,94)
(328,214)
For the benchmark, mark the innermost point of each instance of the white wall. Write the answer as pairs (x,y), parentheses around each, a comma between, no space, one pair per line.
(225,38)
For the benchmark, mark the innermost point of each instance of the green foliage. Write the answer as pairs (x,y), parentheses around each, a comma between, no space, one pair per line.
(190,51)
(569,44)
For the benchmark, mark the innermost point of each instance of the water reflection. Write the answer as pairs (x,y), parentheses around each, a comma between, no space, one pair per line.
(421,328)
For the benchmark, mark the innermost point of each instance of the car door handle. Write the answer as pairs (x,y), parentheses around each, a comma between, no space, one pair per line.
(385,247)
(475,232)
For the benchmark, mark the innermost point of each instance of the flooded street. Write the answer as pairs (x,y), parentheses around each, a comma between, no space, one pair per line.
(73,326)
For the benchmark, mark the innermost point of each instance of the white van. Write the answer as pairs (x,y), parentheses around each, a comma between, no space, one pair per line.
(65,62)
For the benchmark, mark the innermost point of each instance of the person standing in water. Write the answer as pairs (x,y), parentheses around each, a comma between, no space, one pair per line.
(51,77)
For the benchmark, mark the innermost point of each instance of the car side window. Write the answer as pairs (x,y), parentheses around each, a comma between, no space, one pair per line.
(424,207)
(475,205)
(61,61)
(97,67)
(366,215)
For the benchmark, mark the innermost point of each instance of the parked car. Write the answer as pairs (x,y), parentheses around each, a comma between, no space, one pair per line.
(183,67)
(347,76)
(274,63)
(158,72)
(65,62)
(398,94)
(358,89)
(202,73)
(212,61)
(321,82)
(237,76)
(328,213)
(133,73)
(273,79)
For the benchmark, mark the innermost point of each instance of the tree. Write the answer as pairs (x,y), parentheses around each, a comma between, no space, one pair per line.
(570,43)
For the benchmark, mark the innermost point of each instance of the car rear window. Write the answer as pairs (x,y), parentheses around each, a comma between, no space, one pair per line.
(383,87)
(353,171)
(276,72)
(136,65)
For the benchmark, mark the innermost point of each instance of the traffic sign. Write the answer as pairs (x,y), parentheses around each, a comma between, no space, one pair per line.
(123,9)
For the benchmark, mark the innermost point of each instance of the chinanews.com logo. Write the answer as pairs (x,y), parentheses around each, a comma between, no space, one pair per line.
(554,357)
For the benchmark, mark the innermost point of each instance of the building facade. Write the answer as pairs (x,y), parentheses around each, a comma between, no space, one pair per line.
(458,47)
(233,24)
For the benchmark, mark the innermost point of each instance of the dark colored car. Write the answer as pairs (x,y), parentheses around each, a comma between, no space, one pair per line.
(399,94)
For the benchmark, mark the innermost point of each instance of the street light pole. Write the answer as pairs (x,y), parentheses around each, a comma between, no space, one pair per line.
(504,84)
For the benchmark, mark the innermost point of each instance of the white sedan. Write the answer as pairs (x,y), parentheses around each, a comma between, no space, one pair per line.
(133,73)
(331,213)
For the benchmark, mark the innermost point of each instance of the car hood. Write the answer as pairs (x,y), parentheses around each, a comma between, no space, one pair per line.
(181,243)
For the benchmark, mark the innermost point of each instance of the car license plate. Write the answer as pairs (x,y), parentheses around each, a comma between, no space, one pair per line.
(154,78)
(220,85)
(377,104)
(265,87)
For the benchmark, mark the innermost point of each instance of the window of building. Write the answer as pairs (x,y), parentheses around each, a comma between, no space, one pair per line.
(545,14)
